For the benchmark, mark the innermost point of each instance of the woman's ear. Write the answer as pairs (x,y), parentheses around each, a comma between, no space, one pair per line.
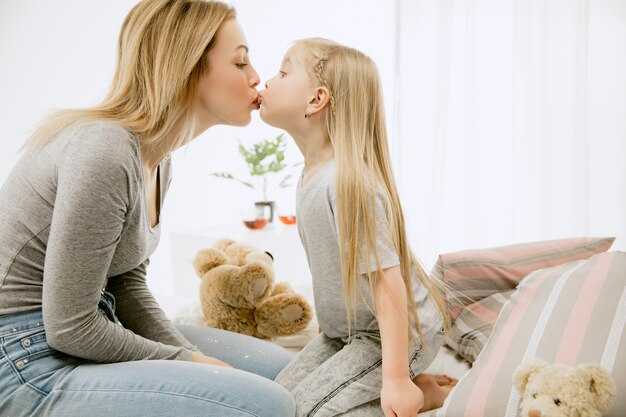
(319,100)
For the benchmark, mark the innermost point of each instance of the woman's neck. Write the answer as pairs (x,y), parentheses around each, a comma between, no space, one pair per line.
(151,156)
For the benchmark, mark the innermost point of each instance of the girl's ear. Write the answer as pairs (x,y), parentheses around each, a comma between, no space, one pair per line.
(319,100)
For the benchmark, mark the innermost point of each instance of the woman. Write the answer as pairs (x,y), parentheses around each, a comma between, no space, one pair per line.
(79,216)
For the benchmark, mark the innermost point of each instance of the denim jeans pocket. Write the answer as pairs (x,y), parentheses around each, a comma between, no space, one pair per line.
(33,360)
(414,361)
(106,306)
(424,353)
(35,342)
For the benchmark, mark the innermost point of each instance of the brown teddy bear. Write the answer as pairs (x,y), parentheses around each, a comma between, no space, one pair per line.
(563,391)
(238,293)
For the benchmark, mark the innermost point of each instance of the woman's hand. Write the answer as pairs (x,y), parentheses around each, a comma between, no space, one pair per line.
(198,357)
(400,397)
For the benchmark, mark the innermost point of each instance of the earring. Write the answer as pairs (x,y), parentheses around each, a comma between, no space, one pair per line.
(306,116)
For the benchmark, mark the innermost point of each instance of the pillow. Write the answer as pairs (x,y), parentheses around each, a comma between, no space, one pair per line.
(472,275)
(472,328)
(569,314)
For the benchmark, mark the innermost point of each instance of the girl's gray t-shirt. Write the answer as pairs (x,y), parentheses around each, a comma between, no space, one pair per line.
(316,207)
(74,222)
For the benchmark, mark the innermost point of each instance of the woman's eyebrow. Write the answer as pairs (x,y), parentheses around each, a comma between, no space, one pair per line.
(245,47)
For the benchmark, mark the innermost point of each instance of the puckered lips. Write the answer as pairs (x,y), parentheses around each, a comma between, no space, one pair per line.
(256,103)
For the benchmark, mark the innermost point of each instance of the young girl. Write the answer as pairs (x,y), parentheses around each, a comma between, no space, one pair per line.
(381,317)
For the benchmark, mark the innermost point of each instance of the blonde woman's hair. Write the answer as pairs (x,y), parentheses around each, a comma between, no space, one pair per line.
(163,50)
(355,124)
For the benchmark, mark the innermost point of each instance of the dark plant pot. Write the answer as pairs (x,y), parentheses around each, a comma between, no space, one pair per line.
(261,205)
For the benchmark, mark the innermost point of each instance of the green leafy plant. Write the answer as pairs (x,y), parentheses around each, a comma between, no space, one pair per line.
(264,159)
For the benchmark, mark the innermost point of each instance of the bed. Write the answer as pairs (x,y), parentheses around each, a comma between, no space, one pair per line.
(562,300)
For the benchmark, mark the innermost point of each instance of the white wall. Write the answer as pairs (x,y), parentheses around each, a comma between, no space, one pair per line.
(51,60)
(512,118)
(448,151)
(61,53)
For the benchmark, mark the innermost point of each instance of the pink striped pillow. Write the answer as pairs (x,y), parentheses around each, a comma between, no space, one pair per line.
(569,314)
(474,325)
(475,274)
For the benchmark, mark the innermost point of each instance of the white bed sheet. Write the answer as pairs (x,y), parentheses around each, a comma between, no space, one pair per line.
(446,362)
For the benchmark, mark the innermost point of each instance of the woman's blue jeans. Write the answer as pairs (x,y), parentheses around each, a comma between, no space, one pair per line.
(36,380)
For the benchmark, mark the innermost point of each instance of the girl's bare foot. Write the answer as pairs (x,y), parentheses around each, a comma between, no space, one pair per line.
(435,388)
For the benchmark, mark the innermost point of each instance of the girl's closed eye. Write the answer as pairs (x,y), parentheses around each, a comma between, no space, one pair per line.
(241,65)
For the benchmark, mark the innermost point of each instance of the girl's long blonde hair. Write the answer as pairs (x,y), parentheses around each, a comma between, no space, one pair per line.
(162,52)
(355,124)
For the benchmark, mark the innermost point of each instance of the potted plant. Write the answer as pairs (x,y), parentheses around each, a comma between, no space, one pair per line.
(265,161)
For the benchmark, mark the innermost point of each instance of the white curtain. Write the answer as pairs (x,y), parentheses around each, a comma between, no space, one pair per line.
(510,121)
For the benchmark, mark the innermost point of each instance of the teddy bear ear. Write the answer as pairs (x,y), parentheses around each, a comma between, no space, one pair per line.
(207,259)
(223,244)
(601,385)
(523,372)
(259,256)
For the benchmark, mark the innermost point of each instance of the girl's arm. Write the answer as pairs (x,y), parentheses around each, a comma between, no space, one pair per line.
(399,396)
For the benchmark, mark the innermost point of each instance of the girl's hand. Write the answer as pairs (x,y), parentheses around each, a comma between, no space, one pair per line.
(198,357)
(400,397)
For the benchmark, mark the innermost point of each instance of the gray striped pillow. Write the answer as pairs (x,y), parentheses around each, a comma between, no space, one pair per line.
(474,325)
(569,314)
(472,275)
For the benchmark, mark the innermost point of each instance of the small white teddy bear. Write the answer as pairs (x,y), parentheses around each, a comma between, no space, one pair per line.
(563,391)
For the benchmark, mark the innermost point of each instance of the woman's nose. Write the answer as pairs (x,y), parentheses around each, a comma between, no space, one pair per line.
(254,79)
